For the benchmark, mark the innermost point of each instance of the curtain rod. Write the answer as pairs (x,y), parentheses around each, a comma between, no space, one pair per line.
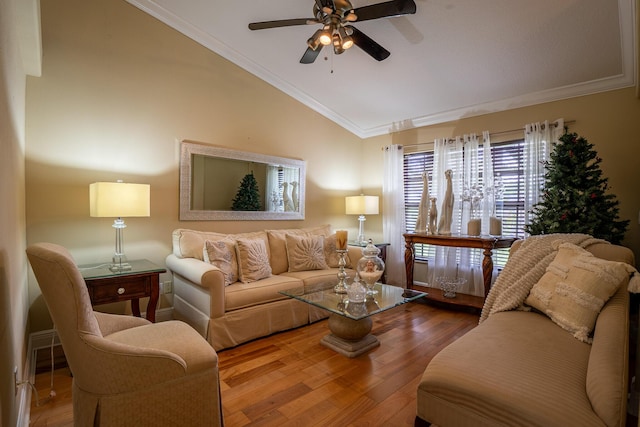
(502,132)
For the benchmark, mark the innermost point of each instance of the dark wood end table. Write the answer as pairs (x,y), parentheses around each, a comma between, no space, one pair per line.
(142,280)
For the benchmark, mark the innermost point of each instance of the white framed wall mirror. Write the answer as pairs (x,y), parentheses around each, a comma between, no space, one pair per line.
(218,184)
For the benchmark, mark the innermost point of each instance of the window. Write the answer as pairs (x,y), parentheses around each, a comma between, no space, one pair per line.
(508,163)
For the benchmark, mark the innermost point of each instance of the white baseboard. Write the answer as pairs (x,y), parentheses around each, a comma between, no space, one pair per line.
(164,314)
(45,339)
(37,340)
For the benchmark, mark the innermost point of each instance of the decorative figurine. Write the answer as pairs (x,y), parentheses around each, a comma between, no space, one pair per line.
(446,214)
(422,223)
(433,217)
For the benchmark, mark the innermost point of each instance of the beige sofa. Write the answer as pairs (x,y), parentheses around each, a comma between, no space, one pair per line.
(228,311)
(538,367)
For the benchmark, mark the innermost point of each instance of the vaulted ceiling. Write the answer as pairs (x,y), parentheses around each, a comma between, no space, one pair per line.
(451,59)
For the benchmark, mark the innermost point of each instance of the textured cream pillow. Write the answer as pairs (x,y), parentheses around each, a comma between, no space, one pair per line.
(222,254)
(330,254)
(305,253)
(278,244)
(575,287)
(253,260)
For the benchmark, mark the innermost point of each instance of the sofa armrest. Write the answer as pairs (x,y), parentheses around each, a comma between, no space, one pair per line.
(196,271)
(607,372)
(202,274)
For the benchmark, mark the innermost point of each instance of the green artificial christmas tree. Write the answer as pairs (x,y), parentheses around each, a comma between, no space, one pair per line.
(575,198)
(248,196)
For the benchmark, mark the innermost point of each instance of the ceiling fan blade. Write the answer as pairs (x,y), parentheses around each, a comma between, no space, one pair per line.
(324,3)
(281,23)
(386,9)
(367,44)
(310,55)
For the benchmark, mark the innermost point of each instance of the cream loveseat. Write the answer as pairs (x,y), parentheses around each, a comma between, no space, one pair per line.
(227,285)
(533,360)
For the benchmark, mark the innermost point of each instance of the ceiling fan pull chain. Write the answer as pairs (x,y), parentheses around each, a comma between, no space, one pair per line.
(332,56)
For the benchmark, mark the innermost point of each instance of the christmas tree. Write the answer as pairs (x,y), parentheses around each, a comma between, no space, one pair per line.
(575,198)
(248,196)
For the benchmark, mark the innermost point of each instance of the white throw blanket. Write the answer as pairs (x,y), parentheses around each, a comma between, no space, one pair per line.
(525,267)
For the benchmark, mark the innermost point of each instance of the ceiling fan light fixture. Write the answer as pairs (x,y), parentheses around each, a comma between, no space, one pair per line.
(337,44)
(314,40)
(345,39)
(325,35)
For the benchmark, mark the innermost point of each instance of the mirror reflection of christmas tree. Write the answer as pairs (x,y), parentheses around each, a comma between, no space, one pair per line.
(248,195)
(575,198)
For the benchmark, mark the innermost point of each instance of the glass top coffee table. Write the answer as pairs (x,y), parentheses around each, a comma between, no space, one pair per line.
(349,322)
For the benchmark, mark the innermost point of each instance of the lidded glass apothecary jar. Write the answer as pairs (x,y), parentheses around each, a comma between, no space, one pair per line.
(370,267)
(357,291)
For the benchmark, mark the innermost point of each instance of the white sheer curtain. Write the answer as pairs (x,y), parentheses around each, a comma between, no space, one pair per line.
(282,189)
(393,223)
(473,181)
(539,139)
(272,191)
(488,182)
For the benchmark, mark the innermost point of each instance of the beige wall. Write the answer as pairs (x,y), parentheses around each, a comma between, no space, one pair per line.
(118,91)
(13,264)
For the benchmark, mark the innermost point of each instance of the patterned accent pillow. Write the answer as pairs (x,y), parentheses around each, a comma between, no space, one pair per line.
(330,254)
(222,254)
(575,287)
(278,245)
(253,260)
(305,253)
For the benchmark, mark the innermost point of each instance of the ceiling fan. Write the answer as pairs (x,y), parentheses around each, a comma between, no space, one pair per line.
(335,17)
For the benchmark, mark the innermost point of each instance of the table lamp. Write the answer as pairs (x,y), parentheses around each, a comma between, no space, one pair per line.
(361,205)
(118,200)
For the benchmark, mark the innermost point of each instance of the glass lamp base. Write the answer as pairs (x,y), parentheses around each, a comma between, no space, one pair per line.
(125,266)
(119,263)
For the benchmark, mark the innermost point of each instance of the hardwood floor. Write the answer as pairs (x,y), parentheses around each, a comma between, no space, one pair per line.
(290,379)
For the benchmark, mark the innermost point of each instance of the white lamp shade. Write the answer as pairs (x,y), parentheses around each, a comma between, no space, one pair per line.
(361,205)
(119,199)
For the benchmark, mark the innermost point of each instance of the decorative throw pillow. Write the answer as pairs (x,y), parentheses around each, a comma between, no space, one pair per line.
(253,260)
(278,244)
(222,254)
(305,253)
(575,287)
(330,254)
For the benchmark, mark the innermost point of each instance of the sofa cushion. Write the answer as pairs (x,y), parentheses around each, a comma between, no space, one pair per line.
(318,279)
(222,254)
(305,252)
(253,260)
(278,245)
(190,243)
(330,254)
(575,287)
(241,295)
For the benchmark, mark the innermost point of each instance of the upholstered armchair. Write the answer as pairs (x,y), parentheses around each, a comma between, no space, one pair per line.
(126,370)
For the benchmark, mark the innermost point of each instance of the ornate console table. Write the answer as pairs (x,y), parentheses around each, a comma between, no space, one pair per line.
(486,243)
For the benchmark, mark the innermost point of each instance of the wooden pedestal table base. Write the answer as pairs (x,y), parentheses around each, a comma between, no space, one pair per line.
(350,337)
(350,323)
